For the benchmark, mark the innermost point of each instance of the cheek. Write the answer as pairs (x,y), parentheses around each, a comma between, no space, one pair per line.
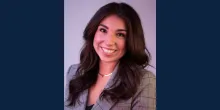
(122,46)
(96,41)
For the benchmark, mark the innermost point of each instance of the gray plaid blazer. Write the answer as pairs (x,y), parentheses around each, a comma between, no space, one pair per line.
(144,99)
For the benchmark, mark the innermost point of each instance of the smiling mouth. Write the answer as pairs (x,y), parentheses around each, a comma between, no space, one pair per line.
(108,51)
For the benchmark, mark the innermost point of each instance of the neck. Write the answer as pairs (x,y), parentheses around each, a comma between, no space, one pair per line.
(106,67)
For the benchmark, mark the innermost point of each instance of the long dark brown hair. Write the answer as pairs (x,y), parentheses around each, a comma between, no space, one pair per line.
(128,76)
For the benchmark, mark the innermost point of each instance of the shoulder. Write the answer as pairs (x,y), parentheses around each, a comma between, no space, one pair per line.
(147,85)
(145,97)
(72,69)
(68,76)
(148,79)
(71,72)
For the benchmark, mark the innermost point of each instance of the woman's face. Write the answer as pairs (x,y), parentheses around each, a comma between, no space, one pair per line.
(109,40)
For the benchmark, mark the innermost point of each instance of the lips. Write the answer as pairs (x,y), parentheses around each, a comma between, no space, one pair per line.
(107,50)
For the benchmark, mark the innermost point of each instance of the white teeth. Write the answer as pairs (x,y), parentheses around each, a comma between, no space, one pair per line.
(107,51)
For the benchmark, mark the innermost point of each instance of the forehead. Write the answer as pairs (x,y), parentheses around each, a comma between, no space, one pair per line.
(113,22)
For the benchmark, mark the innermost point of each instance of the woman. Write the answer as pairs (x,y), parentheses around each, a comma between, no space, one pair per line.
(111,74)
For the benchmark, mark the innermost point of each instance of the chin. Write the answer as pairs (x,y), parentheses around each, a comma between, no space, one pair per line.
(108,60)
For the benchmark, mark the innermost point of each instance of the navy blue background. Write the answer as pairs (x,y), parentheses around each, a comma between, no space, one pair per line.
(31,45)
(32,55)
(188,55)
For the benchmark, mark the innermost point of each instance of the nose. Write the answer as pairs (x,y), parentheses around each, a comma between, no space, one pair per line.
(110,40)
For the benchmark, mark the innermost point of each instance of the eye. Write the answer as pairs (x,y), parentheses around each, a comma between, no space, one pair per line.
(120,34)
(103,30)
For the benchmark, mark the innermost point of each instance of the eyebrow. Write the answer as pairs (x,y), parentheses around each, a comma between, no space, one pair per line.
(108,28)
